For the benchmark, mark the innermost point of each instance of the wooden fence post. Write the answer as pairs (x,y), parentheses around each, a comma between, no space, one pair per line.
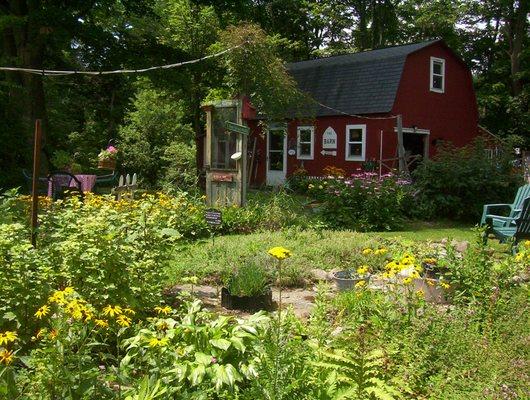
(35,181)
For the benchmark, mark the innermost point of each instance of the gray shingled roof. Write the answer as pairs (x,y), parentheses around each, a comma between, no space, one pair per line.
(358,83)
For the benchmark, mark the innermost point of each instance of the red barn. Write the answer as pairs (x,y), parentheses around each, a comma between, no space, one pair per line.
(359,97)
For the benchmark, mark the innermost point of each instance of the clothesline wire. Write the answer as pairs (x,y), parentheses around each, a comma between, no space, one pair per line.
(355,115)
(47,72)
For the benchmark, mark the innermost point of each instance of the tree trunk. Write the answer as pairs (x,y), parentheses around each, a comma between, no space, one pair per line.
(26,43)
(516,27)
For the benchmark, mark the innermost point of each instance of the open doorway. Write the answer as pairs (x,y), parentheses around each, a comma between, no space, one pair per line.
(416,144)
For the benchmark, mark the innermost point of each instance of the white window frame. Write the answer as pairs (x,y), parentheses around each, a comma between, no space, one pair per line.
(298,142)
(347,156)
(442,62)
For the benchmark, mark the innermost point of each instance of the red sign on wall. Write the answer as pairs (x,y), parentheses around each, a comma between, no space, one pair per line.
(220,177)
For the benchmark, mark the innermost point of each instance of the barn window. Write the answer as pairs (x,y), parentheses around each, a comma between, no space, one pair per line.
(437,75)
(355,142)
(305,142)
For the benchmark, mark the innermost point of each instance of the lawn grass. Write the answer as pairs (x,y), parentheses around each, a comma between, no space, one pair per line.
(311,249)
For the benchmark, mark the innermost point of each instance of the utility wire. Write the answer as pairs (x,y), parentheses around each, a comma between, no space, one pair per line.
(47,72)
(354,115)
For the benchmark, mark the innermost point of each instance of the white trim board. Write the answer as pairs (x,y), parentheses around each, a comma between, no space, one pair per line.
(417,131)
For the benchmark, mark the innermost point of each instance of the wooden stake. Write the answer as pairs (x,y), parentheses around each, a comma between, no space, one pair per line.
(400,149)
(380,153)
(35,181)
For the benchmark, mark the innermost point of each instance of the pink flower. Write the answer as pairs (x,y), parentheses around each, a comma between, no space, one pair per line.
(112,149)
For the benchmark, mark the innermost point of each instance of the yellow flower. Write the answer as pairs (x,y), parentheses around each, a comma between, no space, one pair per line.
(430,261)
(101,323)
(123,320)
(407,280)
(57,297)
(162,326)
(163,310)
(414,274)
(519,256)
(367,251)
(444,285)
(430,282)
(363,269)
(112,310)
(41,333)
(129,311)
(6,357)
(53,334)
(380,251)
(7,337)
(360,284)
(154,342)
(43,311)
(527,243)
(391,266)
(68,290)
(280,253)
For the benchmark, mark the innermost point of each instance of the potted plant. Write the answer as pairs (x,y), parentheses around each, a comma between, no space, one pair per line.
(247,288)
(107,158)
(352,278)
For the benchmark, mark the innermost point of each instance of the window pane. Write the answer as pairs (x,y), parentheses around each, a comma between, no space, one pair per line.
(437,68)
(276,161)
(355,149)
(305,135)
(356,135)
(437,82)
(305,149)
(276,140)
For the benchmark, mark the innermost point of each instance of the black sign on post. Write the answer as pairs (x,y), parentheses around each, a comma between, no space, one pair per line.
(213,217)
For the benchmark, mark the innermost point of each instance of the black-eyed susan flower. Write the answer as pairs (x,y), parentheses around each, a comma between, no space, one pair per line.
(101,323)
(163,310)
(367,251)
(363,269)
(6,357)
(123,320)
(360,284)
(129,311)
(43,311)
(156,342)
(7,337)
(407,280)
(112,311)
(280,253)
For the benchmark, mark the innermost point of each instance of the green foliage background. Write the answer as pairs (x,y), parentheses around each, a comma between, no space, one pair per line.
(81,114)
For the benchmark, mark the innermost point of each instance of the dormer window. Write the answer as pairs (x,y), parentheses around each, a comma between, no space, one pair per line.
(437,75)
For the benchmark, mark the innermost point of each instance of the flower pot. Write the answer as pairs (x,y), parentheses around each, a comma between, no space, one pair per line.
(347,279)
(107,164)
(246,303)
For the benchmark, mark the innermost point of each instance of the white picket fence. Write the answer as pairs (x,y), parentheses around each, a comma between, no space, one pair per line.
(126,187)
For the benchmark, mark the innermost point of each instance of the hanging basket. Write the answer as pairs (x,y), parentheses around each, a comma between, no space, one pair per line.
(107,164)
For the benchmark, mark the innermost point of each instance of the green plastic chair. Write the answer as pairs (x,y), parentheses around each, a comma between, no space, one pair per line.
(517,229)
(495,220)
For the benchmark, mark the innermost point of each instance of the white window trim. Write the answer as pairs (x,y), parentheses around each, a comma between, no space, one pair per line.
(442,61)
(362,157)
(304,128)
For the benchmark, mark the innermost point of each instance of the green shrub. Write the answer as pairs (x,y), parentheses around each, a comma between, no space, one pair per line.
(457,182)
